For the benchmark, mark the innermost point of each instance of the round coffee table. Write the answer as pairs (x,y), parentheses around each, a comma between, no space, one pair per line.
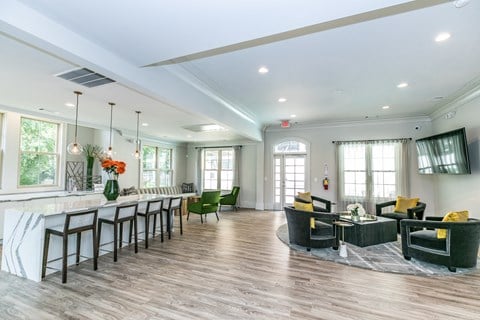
(343,246)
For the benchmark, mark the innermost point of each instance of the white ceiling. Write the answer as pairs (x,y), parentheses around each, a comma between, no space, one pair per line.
(185,63)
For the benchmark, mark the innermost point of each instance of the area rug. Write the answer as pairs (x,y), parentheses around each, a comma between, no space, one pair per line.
(385,257)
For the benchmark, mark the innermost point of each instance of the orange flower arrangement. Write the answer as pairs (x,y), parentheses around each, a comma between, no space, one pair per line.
(113,167)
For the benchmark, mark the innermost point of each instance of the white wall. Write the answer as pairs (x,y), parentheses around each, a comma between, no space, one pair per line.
(461,192)
(322,151)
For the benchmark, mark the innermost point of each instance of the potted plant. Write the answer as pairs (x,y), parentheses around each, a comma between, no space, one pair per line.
(92,151)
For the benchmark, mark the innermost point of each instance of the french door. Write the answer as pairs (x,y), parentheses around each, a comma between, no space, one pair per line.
(289,175)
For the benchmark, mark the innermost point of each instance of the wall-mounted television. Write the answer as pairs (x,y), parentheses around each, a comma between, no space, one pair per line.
(445,153)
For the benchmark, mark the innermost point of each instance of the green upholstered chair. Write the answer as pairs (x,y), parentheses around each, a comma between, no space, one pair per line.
(230,199)
(209,203)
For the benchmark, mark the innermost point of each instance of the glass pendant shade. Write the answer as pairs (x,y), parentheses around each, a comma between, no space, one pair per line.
(74,147)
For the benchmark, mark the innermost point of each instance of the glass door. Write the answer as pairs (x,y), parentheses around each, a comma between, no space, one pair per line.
(289,175)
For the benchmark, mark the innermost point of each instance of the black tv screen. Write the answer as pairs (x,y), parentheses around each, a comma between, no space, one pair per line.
(445,153)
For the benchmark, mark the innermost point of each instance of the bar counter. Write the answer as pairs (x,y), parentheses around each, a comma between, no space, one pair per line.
(25,223)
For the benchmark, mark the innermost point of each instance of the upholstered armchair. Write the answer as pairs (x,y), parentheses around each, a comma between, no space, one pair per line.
(319,204)
(300,231)
(209,202)
(230,199)
(458,250)
(414,212)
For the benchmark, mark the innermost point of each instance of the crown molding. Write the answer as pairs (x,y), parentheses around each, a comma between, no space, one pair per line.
(344,124)
(469,92)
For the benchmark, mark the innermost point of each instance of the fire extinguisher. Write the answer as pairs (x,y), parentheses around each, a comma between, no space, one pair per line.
(325,180)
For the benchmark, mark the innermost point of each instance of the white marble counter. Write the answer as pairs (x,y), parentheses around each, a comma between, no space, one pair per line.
(25,223)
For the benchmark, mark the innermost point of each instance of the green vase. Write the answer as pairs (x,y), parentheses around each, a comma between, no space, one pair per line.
(90,161)
(112,190)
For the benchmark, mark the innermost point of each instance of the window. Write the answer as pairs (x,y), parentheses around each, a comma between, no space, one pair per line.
(218,169)
(39,155)
(157,167)
(371,172)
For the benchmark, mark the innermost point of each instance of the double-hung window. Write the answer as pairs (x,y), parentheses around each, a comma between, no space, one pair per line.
(218,169)
(39,156)
(370,172)
(157,167)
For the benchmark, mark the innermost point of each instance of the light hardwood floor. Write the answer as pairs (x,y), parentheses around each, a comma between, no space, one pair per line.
(234,269)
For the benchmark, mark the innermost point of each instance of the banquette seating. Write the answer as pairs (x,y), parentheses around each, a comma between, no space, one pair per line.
(176,190)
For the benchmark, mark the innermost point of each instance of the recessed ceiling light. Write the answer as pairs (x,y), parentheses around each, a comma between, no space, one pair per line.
(282,99)
(70,105)
(442,36)
(402,85)
(144,124)
(385,107)
(263,70)
(293,116)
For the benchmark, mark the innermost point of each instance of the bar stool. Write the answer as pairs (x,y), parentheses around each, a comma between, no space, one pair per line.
(175,203)
(123,213)
(154,208)
(75,223)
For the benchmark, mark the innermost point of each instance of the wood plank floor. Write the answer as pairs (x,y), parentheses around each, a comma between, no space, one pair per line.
(234,269)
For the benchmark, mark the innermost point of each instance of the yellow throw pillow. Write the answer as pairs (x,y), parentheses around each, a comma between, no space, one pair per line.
(305,196)
(452,216)
(405,203)
(305,207)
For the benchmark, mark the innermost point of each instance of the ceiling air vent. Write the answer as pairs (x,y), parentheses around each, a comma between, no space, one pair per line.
(85,77)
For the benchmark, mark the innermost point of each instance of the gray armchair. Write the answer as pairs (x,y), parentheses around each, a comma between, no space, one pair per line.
(300,232)
(319,204)
(458,249)
(412,213)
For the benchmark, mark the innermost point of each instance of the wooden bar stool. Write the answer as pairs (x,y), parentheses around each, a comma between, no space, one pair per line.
(75,223)
(123,213)
(174,203)
(154,208)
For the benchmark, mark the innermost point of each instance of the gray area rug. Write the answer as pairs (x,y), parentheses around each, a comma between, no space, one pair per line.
(385,257)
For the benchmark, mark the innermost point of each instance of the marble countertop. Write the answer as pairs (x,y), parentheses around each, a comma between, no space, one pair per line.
(70,204)
(42,195)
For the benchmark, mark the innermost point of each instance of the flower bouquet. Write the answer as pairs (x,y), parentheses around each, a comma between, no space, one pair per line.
(113,168)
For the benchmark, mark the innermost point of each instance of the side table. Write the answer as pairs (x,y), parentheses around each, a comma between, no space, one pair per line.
(343,246)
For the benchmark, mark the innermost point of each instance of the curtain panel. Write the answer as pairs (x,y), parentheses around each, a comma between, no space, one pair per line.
(371,171)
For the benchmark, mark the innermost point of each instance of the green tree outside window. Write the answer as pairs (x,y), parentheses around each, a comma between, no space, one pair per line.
(38,152)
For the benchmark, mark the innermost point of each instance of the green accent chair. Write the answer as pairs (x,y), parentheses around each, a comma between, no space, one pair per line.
(209,203)
(230,199)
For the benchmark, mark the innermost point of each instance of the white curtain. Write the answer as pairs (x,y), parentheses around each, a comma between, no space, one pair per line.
(365,165)
(199,177)
(237,153)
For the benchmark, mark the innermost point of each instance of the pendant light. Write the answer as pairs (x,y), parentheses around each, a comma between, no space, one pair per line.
(137,142)
(109,151)
(74,147)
